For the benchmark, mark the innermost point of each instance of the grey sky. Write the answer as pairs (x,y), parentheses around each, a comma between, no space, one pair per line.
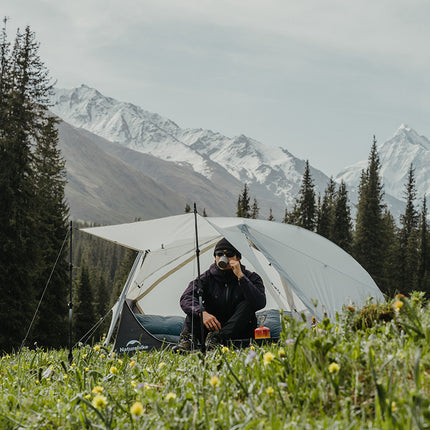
(316,77)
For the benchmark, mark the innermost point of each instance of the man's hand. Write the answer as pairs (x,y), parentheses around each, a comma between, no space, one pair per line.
(211,322)
(235,266)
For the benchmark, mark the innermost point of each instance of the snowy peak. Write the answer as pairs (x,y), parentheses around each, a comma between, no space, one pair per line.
(405,148)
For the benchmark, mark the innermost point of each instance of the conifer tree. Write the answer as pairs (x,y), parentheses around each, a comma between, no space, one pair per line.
(243,207)
(341,229)
(187,208)
(325,212)
(271,217)
(423,275)
(408,236)
(255,210)
(24,95)
(369,235)
(305,203)
(84,316)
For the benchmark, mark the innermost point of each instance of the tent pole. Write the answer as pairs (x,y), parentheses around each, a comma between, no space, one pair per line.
(70,292)
(199,283)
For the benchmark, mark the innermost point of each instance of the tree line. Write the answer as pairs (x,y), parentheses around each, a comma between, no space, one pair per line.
(396,256)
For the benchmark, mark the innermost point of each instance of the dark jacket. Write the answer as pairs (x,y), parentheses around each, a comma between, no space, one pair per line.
(223,291)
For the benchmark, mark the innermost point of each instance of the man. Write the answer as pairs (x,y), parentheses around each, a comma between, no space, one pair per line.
(231,296)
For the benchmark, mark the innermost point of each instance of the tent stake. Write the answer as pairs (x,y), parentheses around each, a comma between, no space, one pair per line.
(199,283)
(70,294)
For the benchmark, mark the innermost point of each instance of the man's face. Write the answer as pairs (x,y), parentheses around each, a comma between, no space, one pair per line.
(229,254)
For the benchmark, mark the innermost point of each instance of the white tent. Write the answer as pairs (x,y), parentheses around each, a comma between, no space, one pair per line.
(302,271)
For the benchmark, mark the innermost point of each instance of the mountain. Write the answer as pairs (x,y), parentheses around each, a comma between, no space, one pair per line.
(405,148)
(273,175)
(104,189)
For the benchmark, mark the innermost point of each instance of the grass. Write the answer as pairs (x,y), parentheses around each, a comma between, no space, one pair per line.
(365,370)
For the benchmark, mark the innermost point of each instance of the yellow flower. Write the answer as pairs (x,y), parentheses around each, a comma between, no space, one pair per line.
(160,365)
(170,396)
(97,348)
(214,381)
(336,329)
(398,304)
(119,361)
(102,356)
(87,369)
(136,409)
(97,389)
(224,349)
(268,357)
(281,352)
(269,390)
(133,383)
(333,367)
(65,376)
(132,363)
(84,356)
(87,396)
(113,370)
(99,401)
(252,348)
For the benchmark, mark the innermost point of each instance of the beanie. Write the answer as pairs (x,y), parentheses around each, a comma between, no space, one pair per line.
(225,244)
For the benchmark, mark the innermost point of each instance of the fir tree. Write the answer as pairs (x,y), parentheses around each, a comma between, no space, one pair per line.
(271,217)
(305,209)
(325,212)
(369,235)
(408,256)
(341,229)
(84,315)
(423,275)
(187,208)
(243,207)
(255,210)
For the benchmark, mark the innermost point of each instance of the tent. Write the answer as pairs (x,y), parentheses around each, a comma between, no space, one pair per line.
(302,271)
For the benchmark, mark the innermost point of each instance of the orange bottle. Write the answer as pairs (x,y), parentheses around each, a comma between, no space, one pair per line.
(262,332)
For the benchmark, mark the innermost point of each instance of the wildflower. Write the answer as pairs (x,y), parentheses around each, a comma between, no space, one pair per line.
(224,349)
(136,409)
(87,396)
(87,369)
(289,342)
(97,389)
(268,357)
(251,355)
(102,356)
(119,361)
(170,396)
(398,304)
(281,352)
(65,376)
(37,382)
(97,348)
(84,356)
(282,384)
(214,381)
(132,363)
(393,407)
(133,383)
(269,390)
(160,365)
(252,348)
(99,401)
(336,329)
(333,367)
(113,370)
(351,308)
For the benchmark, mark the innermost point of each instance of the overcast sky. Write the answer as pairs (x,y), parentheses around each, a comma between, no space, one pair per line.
(319,78)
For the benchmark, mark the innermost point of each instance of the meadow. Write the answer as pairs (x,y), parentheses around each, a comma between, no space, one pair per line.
(367,369)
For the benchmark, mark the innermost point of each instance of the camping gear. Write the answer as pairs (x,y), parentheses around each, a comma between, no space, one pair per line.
(302,271)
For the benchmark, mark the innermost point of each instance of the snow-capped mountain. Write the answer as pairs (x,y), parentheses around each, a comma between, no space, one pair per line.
(272,174)
(396,155)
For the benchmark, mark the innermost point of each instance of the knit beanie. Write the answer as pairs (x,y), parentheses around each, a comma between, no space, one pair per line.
(225,244)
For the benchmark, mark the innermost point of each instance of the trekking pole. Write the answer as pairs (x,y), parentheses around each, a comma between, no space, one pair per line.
(199,284)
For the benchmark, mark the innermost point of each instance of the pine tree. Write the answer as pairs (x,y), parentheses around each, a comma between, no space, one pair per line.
(408,236)
(369,235)
(325,212)
(24,95)
(84,316)
(204,212)
(243,207)
(51,328)
(423,275)
(305,203)
(255,210)
(187,208)
(271,217)
(341,229)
